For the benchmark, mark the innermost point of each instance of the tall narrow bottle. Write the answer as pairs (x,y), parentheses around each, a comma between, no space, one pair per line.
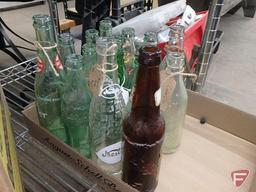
(75,105)
(175,107)
(105,28)
(48,82)
(106,111)
(92,75)
(66,46)
(130,60)
(143,129)
(176,41)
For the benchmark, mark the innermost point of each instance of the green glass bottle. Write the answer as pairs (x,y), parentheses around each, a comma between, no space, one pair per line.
(105,28)
(90,59)
(66,46)
(75,104)
(48,82)
(130,59)
(106,111)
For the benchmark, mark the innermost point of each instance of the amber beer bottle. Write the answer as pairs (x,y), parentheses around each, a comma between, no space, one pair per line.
(144,127)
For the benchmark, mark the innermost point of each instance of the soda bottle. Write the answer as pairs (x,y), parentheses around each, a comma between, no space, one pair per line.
(130,60)
(143,129)
(66,46)
(75,105)
(106,111)
(174,109)
(48,82)
(105,28)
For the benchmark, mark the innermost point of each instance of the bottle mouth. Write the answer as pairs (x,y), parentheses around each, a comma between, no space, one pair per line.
(74,62)
(150,55)
(41,20)
(66,39)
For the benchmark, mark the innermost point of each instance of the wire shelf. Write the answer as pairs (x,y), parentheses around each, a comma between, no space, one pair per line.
(41,169)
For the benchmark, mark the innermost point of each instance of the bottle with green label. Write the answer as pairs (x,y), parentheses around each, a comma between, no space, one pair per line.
(106,111)
(48,80)
(75,104)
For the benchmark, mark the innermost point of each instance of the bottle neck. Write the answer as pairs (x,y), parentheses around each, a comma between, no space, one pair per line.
(75,78)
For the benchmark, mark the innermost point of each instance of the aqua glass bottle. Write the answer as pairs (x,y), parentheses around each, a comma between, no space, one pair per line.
(174,109)
(150,38)
(130,59)
(48,79)
(106,111)
(90,59)
(66,45)
(105,28)
(75,105)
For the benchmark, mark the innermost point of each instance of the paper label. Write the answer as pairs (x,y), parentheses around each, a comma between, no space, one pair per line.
(94,80)
(40,65)
(166,89)
(125,94)
(110,154)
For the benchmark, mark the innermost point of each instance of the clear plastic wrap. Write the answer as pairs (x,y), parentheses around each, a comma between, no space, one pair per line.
(154,19)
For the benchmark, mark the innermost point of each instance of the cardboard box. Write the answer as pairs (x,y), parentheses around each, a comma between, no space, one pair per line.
(205,161)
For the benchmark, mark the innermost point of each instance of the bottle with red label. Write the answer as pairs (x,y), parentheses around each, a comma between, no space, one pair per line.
(48,80)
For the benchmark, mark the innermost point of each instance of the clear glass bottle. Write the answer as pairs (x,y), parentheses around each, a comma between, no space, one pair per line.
(175,108)
(150,38)
(105,28)
(75,105)
(90,58)
(106,111)
(66,46)
(130,59)
(176,42)
(48,82)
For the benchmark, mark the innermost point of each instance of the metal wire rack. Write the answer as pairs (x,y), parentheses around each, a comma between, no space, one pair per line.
(41,169)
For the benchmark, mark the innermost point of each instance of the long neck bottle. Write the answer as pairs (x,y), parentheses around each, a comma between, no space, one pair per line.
(48,82)
(90,58)
(150,38)
(75,104)
(105,28)
(106,111)
(176,42)
(174,110)
(66,46)
(144,128)
(130,60)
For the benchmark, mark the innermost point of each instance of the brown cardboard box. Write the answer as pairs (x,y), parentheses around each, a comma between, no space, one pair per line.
(208,155)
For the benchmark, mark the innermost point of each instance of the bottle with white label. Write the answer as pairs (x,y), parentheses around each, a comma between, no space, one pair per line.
(106,111)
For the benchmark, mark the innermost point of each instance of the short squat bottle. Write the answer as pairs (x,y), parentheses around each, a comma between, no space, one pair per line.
(143,129)
(75,105)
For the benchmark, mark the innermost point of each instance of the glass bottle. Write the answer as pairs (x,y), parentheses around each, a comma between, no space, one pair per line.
(130,60)
(150,38)
(176,42)
(48,82)
(75,105)
(174,110)
(105,28)
(106,111)
(143,129)
(66,47)
(43,26)
(90,58)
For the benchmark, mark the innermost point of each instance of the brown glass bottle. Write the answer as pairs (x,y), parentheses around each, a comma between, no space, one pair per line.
(144,127)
